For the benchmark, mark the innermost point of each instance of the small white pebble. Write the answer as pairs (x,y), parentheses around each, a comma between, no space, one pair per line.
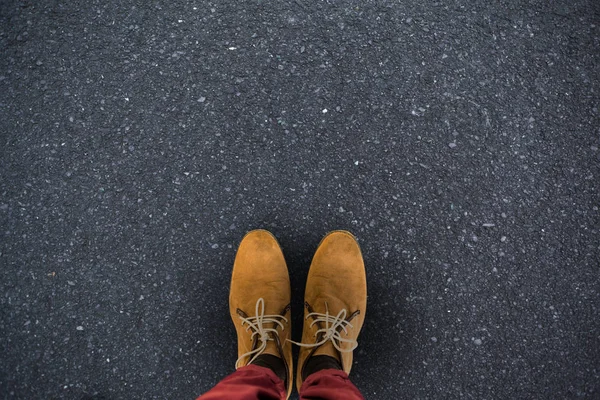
(325,111)
(79,328)
(452,145)
(477,342)
(503,239)
(488,225)
(355,162)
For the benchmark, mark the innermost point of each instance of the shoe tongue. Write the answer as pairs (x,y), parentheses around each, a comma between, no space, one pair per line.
(328,349)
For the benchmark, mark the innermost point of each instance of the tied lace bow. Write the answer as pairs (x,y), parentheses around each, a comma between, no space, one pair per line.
(264,334)
(334,325)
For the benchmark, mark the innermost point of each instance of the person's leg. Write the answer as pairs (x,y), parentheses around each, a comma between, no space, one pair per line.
(259,305)
(248,383)
(335,301)
(329,384)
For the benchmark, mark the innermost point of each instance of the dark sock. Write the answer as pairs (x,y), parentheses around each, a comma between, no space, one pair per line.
(317,363)
(272,362)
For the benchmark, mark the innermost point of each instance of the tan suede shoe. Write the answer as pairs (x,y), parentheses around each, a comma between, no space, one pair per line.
(259,301)
(335,301)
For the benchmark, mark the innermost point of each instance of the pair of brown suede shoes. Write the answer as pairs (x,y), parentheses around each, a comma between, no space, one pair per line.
(335,301)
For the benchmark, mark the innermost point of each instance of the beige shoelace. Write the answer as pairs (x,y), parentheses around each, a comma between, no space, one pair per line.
(257,323)
(331,330)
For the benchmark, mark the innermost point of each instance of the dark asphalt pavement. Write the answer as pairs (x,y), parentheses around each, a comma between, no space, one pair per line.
(458,140)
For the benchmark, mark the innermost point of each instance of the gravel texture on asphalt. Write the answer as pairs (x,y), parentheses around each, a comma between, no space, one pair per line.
(459,141)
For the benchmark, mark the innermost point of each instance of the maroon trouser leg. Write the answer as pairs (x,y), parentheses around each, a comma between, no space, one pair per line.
(258,383)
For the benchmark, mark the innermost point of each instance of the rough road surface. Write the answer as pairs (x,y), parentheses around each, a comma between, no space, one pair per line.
(140,140)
